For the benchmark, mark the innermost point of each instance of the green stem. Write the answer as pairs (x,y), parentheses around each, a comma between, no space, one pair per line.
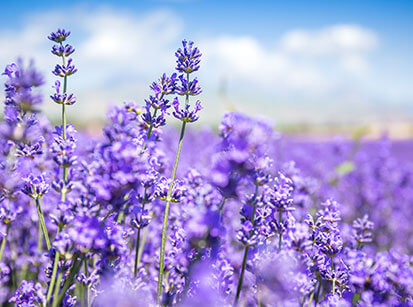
(63,105)
(145,233)
(86,286)
(81,294)
(168,200)
(221,209)
(281,236)
(318,292)
(138,237)
(53,278)
(241,276)
(42,223)
(150,128)
(56,290)
(68,281)
(311,298)
(312,295)
(63,192)
(244,260)
(39,238)
(3,241)
(121,214)
(334,279)
(166,213)
(108,214)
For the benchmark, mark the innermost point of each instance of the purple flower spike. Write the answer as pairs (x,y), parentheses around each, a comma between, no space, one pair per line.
(27,294)
(188,58)
(59,36)
(186,115)
(62,98)
(65,70)
(61,50)
(165,85)
(190,88)
(35,186)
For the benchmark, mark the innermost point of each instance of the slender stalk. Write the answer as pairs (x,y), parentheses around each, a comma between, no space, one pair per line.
(168,201)
(318,291)
(244,260)
(3,241)
(241,276)
(39,238)
(81,293)
(56,290)
(68,281)
(311,297)
(142,245)
(63,192)
(63,105)
(281,236)
(313,293)
(42,223)
(150,129)
(86,295)
(221,209)
(334,279)
(53,278)
(166,213)
(138,237)
(121,214)
(122,211)
(108,214)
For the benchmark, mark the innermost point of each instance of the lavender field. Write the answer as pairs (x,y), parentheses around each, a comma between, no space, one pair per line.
(148,214)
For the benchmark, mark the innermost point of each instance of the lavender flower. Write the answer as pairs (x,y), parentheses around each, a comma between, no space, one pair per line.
(188,58)
(186,115)
(62,98)
(65,70)
(59,36)
(35,186)
(27,294)
(362,231)
(62,51)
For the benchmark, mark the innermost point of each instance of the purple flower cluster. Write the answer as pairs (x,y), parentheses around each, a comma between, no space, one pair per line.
(244,217)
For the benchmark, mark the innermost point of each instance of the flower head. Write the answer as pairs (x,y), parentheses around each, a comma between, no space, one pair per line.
(62,98)
(65,70)
(186,115)
(62,51)
(188,58)
(35,186)
(59,36)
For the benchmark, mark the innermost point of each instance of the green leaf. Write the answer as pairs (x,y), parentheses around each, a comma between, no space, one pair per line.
(345,168)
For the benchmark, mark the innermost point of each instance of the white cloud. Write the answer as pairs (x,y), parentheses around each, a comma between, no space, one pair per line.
(297,63)
(120,53)
(334,40)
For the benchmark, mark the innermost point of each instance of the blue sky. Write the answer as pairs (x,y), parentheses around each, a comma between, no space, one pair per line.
(294,61)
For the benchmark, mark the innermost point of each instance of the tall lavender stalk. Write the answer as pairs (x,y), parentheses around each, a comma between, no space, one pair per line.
(64,70)
(247,245)
(187,63)
(36,187)
(158,104)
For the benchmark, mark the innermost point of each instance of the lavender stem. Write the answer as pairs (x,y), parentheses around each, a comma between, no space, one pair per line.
(166,214)
(42,223)
(244,260)
(3,241)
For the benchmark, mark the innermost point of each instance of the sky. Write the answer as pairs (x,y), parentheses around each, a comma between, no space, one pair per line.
(292,61)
